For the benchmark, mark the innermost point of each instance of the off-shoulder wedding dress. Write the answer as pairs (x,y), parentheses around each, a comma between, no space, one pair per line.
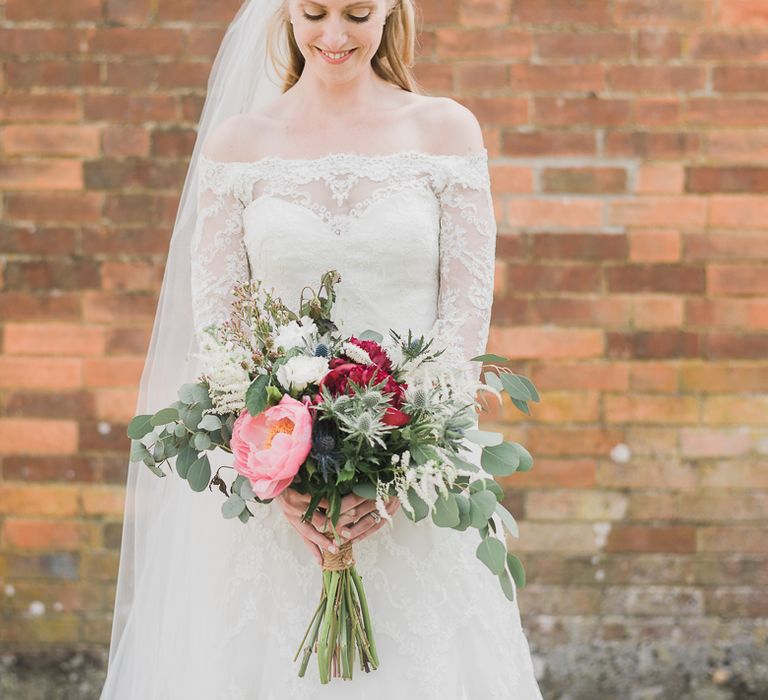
(413,236)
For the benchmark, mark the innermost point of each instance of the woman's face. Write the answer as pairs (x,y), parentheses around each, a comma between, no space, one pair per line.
(338,38)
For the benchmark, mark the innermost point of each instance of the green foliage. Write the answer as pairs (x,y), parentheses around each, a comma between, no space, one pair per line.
(481,507)
(256,396)
(446,513)
(199,474)
(492,553)
(500,460)
(507,519)
(139,427)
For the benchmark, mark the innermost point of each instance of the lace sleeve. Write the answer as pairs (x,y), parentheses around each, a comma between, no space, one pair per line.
(219,258)
(467,255)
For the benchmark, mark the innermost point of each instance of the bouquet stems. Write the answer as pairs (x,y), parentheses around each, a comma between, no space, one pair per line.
(341,627)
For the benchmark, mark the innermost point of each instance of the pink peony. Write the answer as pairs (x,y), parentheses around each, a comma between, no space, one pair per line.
(270,448)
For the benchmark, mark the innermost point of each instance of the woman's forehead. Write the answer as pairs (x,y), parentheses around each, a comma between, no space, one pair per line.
(341,4)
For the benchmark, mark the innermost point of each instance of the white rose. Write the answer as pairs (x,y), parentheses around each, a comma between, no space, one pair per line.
(293,335)
(302,370)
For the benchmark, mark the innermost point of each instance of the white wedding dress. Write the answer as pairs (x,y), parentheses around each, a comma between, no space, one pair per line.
(413,236)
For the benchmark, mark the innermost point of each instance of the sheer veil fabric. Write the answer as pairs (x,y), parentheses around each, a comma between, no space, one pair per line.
(211,609)
(241,80)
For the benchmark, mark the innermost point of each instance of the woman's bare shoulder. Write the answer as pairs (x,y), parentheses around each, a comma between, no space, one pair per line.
(448,127)
(239,137)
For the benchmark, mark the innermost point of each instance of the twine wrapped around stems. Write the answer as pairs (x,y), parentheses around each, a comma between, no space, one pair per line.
(343,559)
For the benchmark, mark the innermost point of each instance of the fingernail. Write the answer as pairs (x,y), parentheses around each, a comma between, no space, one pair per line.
(332,549)
(345,533)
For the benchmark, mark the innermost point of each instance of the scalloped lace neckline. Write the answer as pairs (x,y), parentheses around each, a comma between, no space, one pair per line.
(350,155)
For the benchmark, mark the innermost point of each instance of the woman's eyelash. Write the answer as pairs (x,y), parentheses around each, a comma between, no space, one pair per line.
(317,18)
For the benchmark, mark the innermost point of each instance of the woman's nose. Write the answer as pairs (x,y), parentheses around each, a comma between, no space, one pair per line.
(335,35)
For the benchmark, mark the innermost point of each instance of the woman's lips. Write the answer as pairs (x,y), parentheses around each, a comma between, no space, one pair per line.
(329,58)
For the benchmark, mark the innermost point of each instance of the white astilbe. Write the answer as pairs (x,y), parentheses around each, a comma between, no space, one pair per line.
(356,353)
(227,369)
(429,481)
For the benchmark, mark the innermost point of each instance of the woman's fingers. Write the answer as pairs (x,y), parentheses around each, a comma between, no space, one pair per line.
(356,513)
(308,531)
(314,549)
(351,501)
(366,525)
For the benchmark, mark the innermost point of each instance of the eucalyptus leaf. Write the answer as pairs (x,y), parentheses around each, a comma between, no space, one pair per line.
(446,513)
(369,334)
(463,464)
(507,519)
(246,490)
(210,422)
(531,388)
(185,459)
(180,430)
(139,427)
(158,451)
(165,416)
(191,417)
(199,474)
(155,469)
(522,405)
(232,507)
(492,380)
(515,567)
(462,503)
(515,386)
(202,441)
(169,443)
(490,357)
(138,451)
(187,393)
(420,454)
(486,438)
(506,585)
(245,515)
(364,489)
(500,460)
(526,460)
(481,504)
(200,395)
(420,508)
(492,553)
(487,485)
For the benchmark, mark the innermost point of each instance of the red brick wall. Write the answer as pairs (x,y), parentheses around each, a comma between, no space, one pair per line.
(630,164)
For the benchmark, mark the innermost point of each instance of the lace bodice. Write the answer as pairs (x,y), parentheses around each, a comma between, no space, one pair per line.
(412,234)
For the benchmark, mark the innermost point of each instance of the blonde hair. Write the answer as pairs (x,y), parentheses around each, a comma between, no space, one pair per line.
(393,60)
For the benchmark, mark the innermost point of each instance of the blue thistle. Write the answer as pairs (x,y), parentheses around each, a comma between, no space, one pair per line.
(325,449)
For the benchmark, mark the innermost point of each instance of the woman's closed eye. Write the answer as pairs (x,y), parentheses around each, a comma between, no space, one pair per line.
(354,18)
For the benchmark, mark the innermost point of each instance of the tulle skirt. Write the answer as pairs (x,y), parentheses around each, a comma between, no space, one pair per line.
(221,607)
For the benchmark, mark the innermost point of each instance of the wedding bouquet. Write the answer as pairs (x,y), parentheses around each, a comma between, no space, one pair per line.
(298,405)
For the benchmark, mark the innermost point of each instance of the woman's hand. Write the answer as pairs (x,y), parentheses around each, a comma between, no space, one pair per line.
(294,505)
(355,522)
(365,524)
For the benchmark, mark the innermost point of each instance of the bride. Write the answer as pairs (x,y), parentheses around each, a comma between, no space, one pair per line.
(315,151)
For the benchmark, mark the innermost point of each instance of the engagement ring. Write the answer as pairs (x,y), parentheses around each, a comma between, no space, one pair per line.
(376,517)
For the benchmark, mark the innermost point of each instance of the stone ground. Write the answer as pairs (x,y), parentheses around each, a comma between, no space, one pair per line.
(732,671)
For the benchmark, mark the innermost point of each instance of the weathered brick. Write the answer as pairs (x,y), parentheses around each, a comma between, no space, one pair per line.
(38,437)
(24,533)
(53,339)
(50,140)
